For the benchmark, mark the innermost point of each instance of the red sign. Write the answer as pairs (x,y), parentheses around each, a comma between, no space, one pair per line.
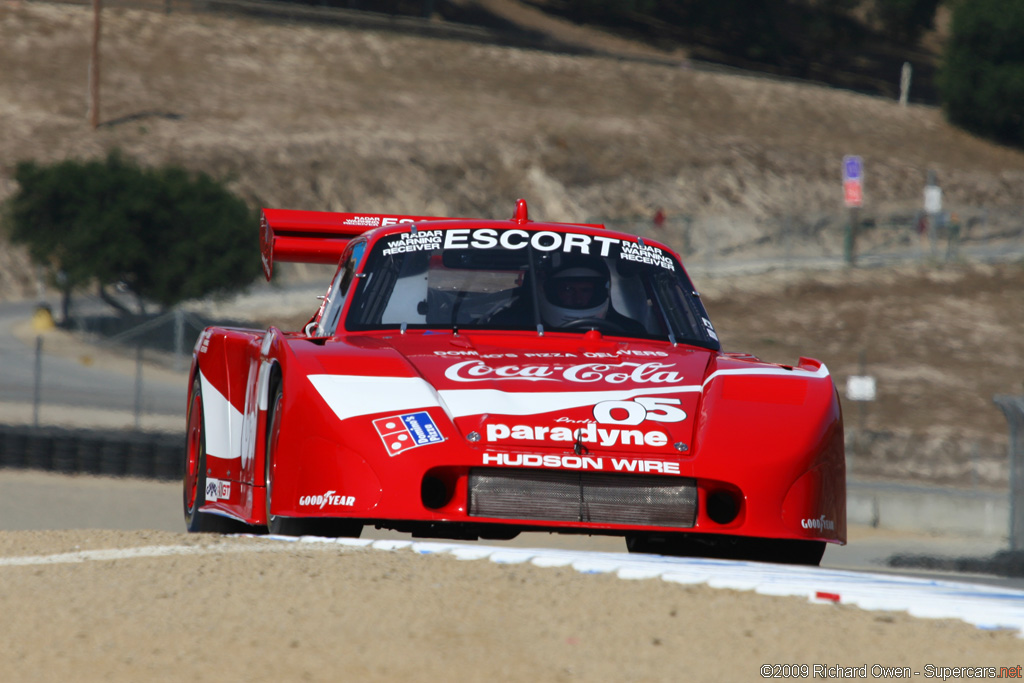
(853,193)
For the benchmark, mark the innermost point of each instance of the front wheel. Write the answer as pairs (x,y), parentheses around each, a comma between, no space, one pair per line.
(296,526)
(793,552)
(194,484)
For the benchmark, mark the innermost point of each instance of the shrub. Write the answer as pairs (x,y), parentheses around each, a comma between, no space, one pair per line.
(982,76)
(166,234)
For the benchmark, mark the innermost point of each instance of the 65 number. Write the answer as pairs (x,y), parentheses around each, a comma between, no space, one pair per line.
(638,410)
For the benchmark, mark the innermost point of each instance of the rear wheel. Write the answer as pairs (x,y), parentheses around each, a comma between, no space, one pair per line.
(791,552)
(781,551)
(295,526)
(194,483)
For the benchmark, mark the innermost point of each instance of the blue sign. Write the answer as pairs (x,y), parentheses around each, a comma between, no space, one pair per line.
(422,428)
(399,433)
(853,168)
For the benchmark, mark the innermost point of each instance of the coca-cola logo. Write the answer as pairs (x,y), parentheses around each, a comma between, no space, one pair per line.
(621,373)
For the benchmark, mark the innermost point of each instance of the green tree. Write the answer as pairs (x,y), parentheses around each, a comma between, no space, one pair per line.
(166,234)
(982,75)
(905,20)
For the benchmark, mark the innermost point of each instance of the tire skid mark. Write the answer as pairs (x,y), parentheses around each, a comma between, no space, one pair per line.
(113,554)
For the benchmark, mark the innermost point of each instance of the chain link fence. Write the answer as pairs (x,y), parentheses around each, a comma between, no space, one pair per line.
(133,368)
(166,339)
(819,240)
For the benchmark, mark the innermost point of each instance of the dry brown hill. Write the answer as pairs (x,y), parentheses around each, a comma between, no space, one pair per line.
(326,117)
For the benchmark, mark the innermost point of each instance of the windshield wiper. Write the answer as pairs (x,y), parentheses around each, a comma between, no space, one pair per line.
(656,291)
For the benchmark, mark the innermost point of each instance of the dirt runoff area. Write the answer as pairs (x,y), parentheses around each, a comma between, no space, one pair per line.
(235,609)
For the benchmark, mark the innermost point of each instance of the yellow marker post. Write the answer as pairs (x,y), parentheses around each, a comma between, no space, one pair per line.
(42,320)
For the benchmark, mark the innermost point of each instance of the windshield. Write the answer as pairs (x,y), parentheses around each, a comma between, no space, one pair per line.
(490,279)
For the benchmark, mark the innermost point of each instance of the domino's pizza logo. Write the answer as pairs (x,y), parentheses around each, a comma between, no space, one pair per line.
(402,432)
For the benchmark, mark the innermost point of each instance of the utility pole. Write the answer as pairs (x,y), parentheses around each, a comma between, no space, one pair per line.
(94,67)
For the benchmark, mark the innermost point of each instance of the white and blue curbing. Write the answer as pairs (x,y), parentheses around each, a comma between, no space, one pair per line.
(984,606)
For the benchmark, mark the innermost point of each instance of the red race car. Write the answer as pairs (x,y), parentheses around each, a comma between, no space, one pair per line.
(468,378)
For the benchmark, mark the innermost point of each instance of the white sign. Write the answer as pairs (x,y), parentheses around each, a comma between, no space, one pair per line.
(932,199)
(860,388)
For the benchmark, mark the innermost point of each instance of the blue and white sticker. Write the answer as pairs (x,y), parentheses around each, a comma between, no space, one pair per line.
(217,489)
(402,432)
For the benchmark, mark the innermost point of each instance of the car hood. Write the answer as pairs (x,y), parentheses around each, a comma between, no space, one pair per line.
(554,392)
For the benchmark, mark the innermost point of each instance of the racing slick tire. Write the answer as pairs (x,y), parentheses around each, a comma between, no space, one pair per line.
(788,551)
(194,484)
(779,551)
(296,526)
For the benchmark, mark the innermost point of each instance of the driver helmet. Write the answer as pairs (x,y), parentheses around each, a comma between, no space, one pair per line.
(575,288)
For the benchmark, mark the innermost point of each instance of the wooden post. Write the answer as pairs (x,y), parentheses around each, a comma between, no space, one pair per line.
(1013,409)
(905,83)
(37,381)
(138,384)
(94,66)
(850,241)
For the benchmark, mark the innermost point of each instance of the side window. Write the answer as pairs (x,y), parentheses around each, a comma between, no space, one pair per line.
(338,290)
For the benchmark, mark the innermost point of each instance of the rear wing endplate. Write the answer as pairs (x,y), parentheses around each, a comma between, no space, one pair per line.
(295,236)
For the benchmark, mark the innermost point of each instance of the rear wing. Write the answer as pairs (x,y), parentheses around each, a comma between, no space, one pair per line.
(295,236)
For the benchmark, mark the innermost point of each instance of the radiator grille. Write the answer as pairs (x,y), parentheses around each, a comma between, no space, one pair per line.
(583,497)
